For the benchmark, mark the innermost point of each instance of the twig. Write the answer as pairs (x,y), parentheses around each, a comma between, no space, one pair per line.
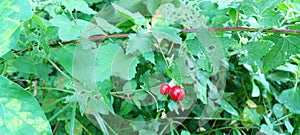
(272,30)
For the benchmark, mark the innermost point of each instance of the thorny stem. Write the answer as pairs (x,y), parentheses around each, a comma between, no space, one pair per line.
(271,30)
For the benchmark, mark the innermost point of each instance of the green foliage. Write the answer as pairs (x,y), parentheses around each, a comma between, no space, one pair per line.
(264,12)
(95,67)
(21,113)
(12,15)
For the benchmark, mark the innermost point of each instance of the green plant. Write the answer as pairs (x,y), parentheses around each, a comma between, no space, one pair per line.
(96,66)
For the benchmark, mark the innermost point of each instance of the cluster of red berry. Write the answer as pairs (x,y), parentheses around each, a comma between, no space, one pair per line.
(176,92)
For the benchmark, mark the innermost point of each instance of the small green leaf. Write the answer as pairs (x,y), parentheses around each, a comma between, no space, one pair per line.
(255,90)
(167,32)
(141,44)
(124,66)
(174,73)
(254,51)
(288,67)
(68,30)
(184,132)
(136,17)
(79,5)
(111,61)
(126,107)
(96,105)
(281,51)
(290,98)
(228,108)
(65,57)
(213,48)
(251,104)
(269,130)
(103,24)
(251,116)
(40,21)
(201,92)
(78,127)
(288,125)
(152,5)
(263,10)
(173,106)
(104,59)
(278,110)
(222,4)
(196,48)
(25,64)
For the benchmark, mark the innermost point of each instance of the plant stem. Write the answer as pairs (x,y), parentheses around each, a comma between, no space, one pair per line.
(72,122)
(57,89)
(271,30)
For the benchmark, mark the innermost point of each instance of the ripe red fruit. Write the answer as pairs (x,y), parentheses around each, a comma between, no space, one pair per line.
(164,89)
(177,93)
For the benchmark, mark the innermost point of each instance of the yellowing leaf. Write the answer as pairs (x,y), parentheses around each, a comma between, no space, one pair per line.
(20,112)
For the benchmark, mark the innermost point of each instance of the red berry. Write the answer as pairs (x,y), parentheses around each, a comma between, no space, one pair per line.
(177,93)
(165,89)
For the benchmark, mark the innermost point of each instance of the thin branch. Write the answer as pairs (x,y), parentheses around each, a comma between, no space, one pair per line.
(272,30)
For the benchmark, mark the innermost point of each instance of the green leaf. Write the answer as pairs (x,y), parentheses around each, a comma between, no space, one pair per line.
(68,30)
(78,127)
(12,13)
(29,66)
(104,59)
(103,24)
(269,130)
(278,110)
(65,57)
(79,5)
(91,2)
(290,98)
(174,73)
(16,9)
(288,125)
(152,5)
(251,104)
(219,20)
(125,108)
(288,67)
(20,111)
(228,108)
(49,102)
(196,48)
(251,116)
(40,21)
(255,90)
(281,51)
(213,48)
(96,105)
(201,89)
(222,4)
(24,64)
(136,17)
(173,106)
(166,32)
(111,61)
(182,72)
(263,10)
(124,66)
(254,51)
(141,43)
(185,132)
